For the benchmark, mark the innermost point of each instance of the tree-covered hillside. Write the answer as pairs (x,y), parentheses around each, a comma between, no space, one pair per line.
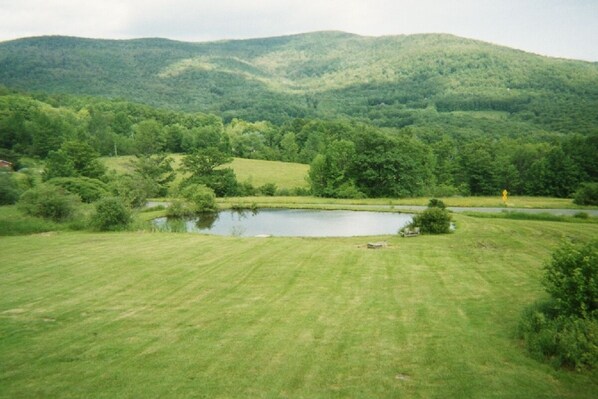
(392,81)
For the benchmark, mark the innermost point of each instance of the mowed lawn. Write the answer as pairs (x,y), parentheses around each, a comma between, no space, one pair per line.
(166,315)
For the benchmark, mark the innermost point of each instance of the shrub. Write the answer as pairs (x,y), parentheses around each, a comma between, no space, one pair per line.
(268,189)
(581,215)
(222,181)
(111,214)
(587,194)
(436,203)
(246,189)
(201,196)
(571,278)
(568,341)
(433,221)
(9,189)
(349,190)
(133,191)
(564,330)
(49,202)
(180,208)
(90,190)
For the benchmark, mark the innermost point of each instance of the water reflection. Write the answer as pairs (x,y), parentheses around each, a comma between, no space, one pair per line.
(289,222)
(206,220)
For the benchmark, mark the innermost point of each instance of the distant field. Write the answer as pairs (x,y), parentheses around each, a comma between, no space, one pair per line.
(257,172)
(159,315)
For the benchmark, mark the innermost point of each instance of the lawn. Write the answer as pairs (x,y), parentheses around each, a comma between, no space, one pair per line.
(166,315)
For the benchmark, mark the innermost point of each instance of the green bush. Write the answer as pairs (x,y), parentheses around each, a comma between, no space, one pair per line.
(133,191)
(436,203)
(246,189)
(587,194)
(179,208)
(433,221)
(90,190)
(201,196)
(111,214)
(48,201)
(564,329)
(222,181)
(9,189)
(268,189)
(568,341)
(349,190)
(571,278)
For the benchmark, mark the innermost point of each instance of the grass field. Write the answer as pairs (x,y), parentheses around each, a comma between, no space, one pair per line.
(257,172)
(158,315)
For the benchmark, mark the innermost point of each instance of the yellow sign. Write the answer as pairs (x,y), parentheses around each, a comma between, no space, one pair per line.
(504,196)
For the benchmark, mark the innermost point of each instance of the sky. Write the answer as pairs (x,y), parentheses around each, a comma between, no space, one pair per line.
(557,28)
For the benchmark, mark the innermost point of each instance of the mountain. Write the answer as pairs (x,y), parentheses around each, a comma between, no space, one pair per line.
(392,81)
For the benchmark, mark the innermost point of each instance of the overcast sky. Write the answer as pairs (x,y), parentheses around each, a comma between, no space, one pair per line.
(560,28)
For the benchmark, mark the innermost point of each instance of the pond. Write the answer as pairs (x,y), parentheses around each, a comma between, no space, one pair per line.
(289,223)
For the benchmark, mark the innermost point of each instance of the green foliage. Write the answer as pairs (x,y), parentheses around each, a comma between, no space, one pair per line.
(13,222)
(88,189)
(133,191)
(9,189)
(433,220)
(111,214)
(564,330)
(203,164)
(48,201)
(436,203)
(157,171)
(149,137)
(205,161)
(73,159)
(180,208)
(201,196)
(572,278)
(587,194)
(268,189)
(567,341)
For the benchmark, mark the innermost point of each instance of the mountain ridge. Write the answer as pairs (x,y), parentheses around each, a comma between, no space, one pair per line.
(319,74)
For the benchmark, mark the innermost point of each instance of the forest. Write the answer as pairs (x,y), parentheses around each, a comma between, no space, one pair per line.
(348,158)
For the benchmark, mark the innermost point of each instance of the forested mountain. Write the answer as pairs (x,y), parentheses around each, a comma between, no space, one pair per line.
(437,81)
(391,116)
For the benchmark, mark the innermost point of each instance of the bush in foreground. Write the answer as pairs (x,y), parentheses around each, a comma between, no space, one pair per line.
(111,214)
(49,202)
(564,329)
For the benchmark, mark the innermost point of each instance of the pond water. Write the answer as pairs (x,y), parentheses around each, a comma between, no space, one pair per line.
(290,223)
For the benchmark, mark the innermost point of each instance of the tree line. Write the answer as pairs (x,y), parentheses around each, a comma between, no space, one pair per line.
(348,158)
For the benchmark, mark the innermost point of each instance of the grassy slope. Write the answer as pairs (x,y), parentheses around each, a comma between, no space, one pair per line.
(257,172)
(180,315)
